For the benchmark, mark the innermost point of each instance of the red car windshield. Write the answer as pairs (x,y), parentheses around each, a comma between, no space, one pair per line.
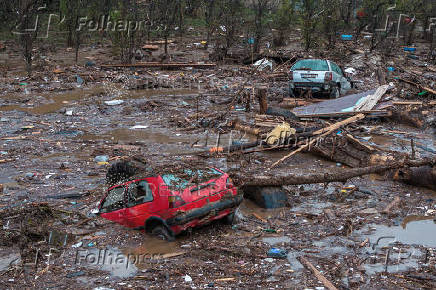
(311,64)
(182,180)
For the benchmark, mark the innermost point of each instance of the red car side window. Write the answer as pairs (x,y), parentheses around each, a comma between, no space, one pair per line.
(114,200)
(138,193)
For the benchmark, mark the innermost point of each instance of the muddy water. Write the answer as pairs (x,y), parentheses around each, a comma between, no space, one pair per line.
(58,101)
(133,135)
(248,208)
(414,231)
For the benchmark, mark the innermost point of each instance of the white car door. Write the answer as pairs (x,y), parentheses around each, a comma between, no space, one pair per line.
(339,77)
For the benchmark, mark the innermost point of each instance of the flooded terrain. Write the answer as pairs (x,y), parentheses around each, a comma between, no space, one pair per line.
(58,138)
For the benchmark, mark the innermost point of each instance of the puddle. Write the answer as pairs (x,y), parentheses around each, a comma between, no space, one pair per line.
(128,135)
(276,240)
(58,101)
(414,232)
(403,260)
(248,207)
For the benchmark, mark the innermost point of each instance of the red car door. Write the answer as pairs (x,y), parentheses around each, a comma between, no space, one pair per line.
(144,200)
(113,206)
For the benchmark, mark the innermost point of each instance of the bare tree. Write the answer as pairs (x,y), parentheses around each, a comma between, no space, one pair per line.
(27,27)
(261,8)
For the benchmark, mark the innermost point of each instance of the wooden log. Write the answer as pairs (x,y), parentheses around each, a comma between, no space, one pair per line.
(324,132)
(317,274)
(329,175)
(246,129)
(424,176)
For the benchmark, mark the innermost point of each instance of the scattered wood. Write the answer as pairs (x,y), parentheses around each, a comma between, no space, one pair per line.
(317,274)
(419,86)
(160,65)
(323,132)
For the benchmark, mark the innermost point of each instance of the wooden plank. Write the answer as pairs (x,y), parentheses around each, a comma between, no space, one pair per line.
(371,101)
(317,274)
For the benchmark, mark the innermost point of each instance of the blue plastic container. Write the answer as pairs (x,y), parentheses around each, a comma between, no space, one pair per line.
(346,37)
(411,49)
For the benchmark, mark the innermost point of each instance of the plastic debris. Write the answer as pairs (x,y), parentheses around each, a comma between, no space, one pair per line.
(78,245)
(114,102)
(277,253)
(350,70)
(139,127)
(79,80)
(346,37)
(101,158)
(187,278)
(263,63)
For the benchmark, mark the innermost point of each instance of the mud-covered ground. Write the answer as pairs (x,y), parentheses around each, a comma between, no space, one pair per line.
(53,125)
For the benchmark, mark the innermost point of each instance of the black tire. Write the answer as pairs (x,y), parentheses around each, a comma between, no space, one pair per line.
(119,171)
(162,233)
(229,219)
(335,93)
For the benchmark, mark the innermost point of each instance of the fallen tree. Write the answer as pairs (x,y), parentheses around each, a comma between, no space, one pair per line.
(328,175)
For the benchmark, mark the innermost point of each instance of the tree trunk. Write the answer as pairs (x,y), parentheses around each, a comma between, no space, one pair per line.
(263,104)
(321,177)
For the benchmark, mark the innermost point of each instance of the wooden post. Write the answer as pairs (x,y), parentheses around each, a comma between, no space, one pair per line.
(263,104)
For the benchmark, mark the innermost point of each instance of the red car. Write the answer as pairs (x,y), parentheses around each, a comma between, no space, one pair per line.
(167,204)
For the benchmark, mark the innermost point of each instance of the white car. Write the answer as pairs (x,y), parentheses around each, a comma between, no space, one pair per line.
(318,75)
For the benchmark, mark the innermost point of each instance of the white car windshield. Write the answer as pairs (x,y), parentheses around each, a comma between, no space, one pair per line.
(311,64)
